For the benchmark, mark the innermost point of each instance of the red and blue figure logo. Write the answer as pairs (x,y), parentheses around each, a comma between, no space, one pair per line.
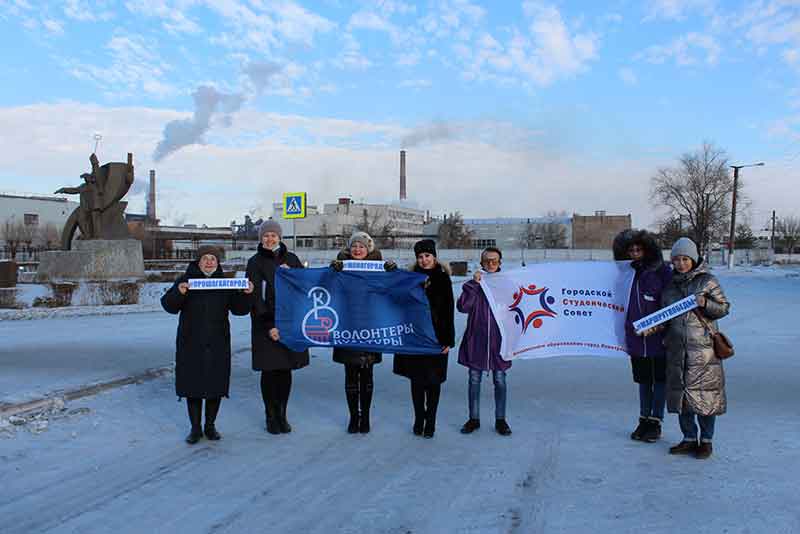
(535,317)
(321,319)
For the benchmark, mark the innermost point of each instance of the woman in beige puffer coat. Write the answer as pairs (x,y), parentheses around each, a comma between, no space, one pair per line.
(695,376)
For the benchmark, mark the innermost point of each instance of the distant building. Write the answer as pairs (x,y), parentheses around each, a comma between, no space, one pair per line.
(36,211)
(521,232)
(388,223)
(597,231)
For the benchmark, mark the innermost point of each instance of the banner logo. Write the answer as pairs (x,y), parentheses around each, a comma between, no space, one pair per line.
(321,319)
(535,317)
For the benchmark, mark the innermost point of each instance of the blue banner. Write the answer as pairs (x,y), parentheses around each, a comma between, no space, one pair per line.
(372,311)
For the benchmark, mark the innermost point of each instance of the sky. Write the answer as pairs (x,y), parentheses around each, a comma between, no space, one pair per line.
(505,108)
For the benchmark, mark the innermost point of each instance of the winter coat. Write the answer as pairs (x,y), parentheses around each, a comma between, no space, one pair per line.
(203,341)
(431,369)
(653,274)
(360,358)
(270,355)
(695,377)
(481,332)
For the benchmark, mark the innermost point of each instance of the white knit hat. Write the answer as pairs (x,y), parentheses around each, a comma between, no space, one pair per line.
(685,247)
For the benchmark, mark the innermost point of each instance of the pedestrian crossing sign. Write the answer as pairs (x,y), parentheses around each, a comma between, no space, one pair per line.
(294,205)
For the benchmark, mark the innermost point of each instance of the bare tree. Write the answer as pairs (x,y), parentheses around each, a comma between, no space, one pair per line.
(382,232)
(697,191)
(453,233)
(49,236)
(554,235)
(527,236)
(788,228)
(16,233)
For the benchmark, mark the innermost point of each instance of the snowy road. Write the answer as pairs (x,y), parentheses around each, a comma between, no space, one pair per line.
(569,466)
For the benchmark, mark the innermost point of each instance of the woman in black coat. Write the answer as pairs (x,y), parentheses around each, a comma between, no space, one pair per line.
(270,356)
(427,372)
(358,364)
(203,342)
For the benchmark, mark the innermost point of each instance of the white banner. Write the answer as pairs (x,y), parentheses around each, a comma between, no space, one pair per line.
(218,283)
(665,314)
(561,309)
(363,265)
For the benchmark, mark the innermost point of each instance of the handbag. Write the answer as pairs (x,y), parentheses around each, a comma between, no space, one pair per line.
(723,348)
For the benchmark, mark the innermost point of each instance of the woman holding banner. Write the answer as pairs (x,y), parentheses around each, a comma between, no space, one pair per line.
(270,356)
(358,364)
(695,377)
(647,353)
(203,342)
(427,372)
(480,346)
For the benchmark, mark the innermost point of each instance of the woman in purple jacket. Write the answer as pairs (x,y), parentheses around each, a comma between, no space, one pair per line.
(480,346)
(648,355)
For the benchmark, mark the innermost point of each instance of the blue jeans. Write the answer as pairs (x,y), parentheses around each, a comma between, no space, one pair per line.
(689,428)
(651,400)
(499,378)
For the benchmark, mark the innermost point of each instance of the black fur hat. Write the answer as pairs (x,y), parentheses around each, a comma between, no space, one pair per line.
(426,245)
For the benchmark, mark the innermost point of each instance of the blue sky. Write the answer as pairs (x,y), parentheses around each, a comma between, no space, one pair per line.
(506,108)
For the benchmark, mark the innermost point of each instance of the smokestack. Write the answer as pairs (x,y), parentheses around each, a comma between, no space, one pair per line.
(151,198)
(402,175)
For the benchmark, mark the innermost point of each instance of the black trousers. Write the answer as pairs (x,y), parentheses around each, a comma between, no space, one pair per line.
(358,387)
(275,387)
(195,408)
(425,399)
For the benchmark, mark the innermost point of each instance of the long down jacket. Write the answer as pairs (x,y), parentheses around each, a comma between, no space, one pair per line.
(359,358)
(270,355)
(695,377)
(431,369)
(203,341)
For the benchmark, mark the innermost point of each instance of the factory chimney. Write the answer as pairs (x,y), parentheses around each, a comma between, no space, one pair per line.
(151,198)
(403,175)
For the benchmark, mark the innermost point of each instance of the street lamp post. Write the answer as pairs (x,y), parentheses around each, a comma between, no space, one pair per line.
(733,207)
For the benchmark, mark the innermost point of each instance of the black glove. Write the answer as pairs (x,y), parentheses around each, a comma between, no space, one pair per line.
(389,266)
(337,265)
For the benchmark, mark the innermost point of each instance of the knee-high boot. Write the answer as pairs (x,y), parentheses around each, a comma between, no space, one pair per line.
(365,398)
(351,393)
(418,399)
(195,409)
(432,394)
(212,409)
(268,394)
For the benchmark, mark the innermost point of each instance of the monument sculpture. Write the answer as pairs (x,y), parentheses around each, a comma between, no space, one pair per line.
(102,256)
(101,212)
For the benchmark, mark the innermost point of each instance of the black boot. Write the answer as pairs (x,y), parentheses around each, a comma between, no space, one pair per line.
(283,424)
(418,399)
(212,409)
(273,425)
(641,428)
(471,426)
(432,405)
(365,399)
(502,428)
(195,409)
(653,431)
(684,447)
(352,406)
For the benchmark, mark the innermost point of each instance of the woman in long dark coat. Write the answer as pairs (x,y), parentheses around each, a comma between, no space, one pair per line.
(358,364)
(270,356)
(427,372)
(203,342)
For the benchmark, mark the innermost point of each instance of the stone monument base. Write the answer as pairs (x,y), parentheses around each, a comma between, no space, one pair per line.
(93,260)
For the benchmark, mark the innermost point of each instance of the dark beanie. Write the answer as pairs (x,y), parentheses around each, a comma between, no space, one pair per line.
(426,245)
(217,252)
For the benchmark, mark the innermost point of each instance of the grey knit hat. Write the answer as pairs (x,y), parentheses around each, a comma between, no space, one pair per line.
(363,238)
(685,247)
(270,226)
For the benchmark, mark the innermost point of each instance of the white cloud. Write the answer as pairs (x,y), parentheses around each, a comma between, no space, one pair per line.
(628,77)
(350,57)
(87,11)
(687,50)
(415,84)
(677,9)
(173,18)
(53,26)
(135,66)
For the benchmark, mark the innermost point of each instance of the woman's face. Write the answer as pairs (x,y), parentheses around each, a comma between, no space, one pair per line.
(358,251)
(635,252)
(426,260)
(491,262)
(208,264)
(682,264)
(270,240)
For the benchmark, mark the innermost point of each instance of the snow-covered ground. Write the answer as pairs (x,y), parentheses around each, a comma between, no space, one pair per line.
(116,462)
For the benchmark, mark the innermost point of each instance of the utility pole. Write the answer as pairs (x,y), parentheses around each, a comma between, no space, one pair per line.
(733,207)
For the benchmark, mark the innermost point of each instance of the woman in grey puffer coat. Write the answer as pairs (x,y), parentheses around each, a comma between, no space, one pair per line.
(695,377)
